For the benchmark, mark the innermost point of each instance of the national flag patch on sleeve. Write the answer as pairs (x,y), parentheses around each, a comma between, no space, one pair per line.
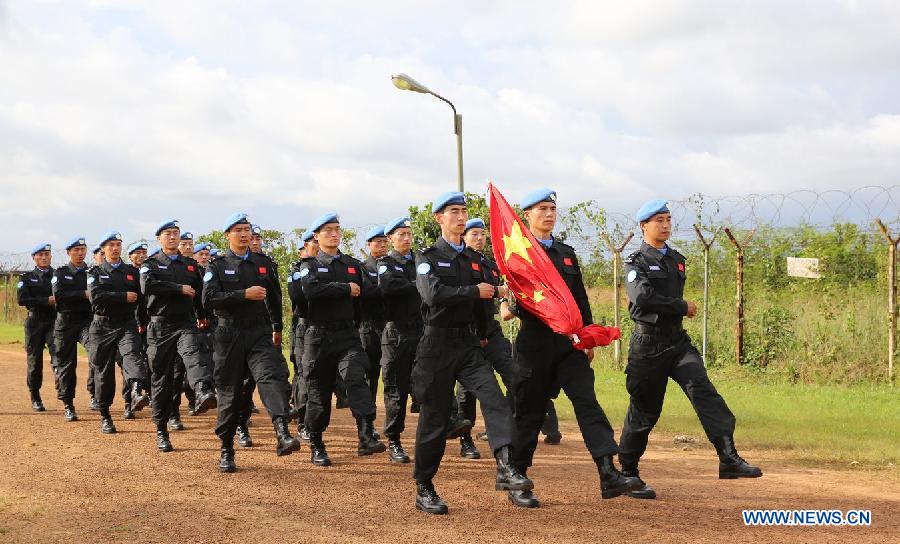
(567,261)
(262,269)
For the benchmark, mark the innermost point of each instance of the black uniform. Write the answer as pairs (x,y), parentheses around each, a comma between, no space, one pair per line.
(73,320)
(299,314)
(114,329)
(332,344)
(455,321)
(498,350)
(402,333)
(172,332)
(660,349)
(242,339)
(549,362)
(372,326)
(34,292)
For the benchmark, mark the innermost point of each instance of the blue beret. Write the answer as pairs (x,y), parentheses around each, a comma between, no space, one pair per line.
(96,248)
(201,246)
(234,219)
(136,246)
(323,220)
(307,236)
(43,246)
(395,224)
(375,232)
(476,223)
(537,196)
(187,236)
(214,252)
(167,224)
(110,236)
(77,241)
(256,230)
(154,252)
(649,209)
(447,199)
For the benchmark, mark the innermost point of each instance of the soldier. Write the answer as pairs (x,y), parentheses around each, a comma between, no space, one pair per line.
(35,293)
(402,330)
(171,283)
(497,351)
(332,283)
(452,286)
(114,292)
(73,319)
(201,255)
(299,318)
(549,362)
(660,349)
(372,309)
(243,290)
(137,254)
(186,245)
(96,260)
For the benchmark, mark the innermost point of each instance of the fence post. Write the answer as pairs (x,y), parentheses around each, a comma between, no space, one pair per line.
(739,294)
(617,262)
(892,295)
(706,246)
(6,297)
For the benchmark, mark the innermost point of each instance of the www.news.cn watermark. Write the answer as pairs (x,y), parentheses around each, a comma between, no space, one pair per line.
(807,518)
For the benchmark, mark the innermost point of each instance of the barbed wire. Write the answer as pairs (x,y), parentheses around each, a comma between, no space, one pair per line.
(804,207)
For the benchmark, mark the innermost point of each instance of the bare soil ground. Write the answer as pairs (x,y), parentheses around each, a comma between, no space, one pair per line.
(66,482)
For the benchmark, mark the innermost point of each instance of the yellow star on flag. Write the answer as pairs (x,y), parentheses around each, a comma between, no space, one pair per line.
(516,243)
(539,296)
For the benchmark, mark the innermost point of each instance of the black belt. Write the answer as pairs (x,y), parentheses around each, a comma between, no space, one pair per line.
(114,320)
(331,325)
(174,320)
(256,321)
(450,332)
(75,316)
(658,330)
(415,324)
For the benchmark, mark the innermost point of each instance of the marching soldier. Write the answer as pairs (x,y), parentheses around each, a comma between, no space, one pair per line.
(300,321)
(35,293)
(242,288)
(402,330)
(137,254)
(186,245)
(114,292)
(332,283)
(660,349)
(548,363)
(171,283)
(452,286)
(372,309)
(73,319)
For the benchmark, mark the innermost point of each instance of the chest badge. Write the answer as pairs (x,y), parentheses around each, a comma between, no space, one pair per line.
(351,270)
(567,261)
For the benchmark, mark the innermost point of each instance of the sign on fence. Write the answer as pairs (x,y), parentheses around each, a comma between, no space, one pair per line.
(803,267)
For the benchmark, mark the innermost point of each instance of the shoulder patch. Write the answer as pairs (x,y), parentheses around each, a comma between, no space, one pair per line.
(423,268)
(20,284)
(208,276)
(632,275)
(54,279)
(382,269)
(297,275)
(91,280)
(303,273)
(145,269)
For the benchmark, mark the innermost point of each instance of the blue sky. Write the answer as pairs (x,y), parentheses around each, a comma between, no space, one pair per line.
(120,114)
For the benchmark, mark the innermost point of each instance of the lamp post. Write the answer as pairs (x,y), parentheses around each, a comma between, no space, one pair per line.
(406,83)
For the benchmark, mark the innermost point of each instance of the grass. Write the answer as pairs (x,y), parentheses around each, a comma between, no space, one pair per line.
(820,423)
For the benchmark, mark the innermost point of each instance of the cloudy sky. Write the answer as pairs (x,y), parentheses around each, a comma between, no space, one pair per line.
(117,114)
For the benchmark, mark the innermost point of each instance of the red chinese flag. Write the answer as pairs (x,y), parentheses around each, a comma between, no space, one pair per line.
(533,279)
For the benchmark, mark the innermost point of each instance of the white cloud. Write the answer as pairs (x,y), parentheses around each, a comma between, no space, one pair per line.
(117,114)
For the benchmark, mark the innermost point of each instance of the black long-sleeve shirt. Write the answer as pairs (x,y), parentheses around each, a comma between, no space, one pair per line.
(326,285)
(34,292)
(227,279)
(447,282)
(397,282)
(372,306)
(108,288)
(655,285)
(162,279)
(70,290)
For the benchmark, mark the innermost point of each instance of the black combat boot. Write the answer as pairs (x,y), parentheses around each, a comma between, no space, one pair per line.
(163,443)
(94,406)
(175,423)
(69,412)
(732,465)
(37,405)
(467,447)
(396,451)
(106,422)
(523,499)
(204,399)
(243,436)
(370,424)
(458,427)
(128,413)
(554,438)
(302,433)
(139,398)
(367,443)
(508,477)
(226,460)
(427,499)
(287,444)
(642,492)
(612,482)
(318,456)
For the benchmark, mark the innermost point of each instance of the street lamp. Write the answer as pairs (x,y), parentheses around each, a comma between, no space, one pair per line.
(406,83)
